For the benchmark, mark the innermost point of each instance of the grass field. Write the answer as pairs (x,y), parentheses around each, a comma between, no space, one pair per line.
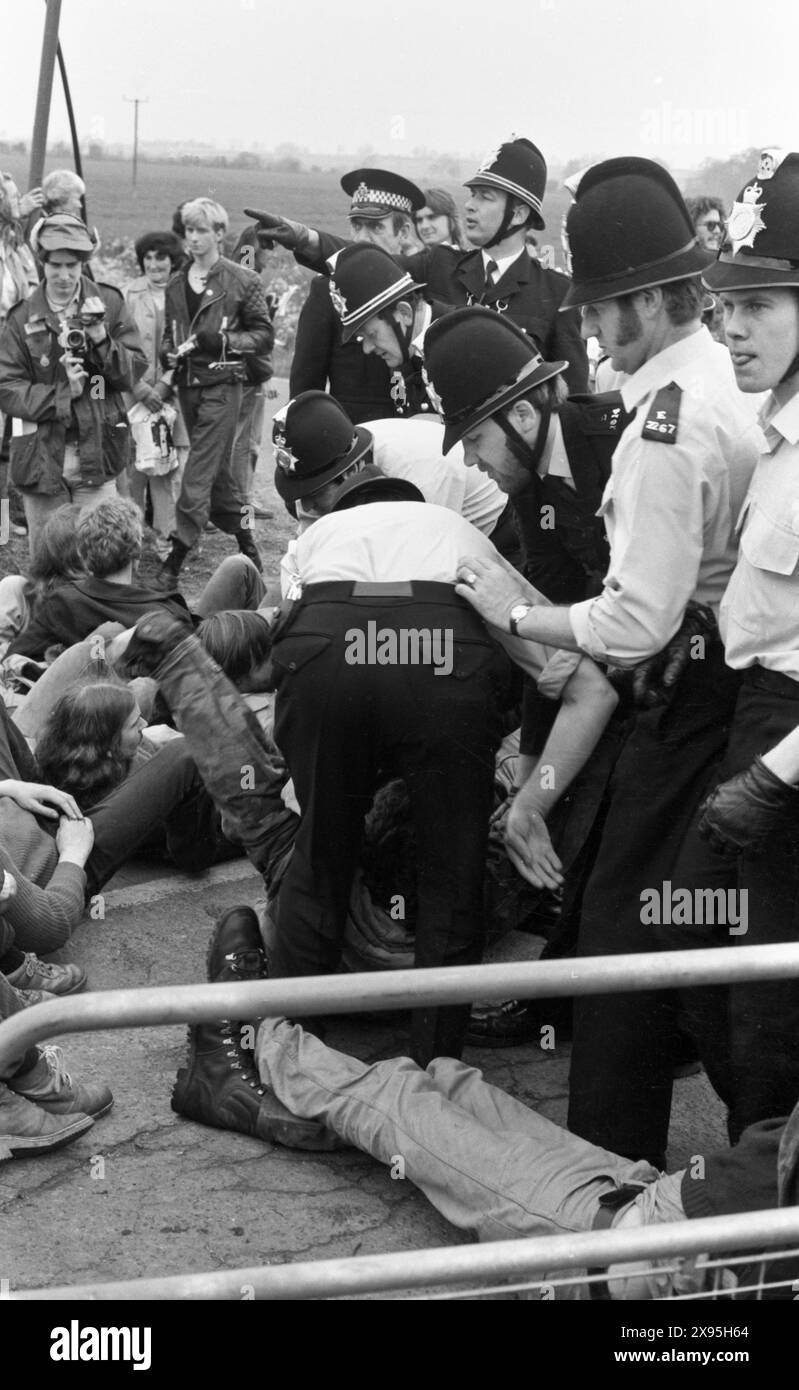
(120,211)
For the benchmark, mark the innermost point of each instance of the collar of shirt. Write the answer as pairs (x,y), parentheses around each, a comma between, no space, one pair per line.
(417,343)
(501,265)
(555,462)
(675,363)
(779,419)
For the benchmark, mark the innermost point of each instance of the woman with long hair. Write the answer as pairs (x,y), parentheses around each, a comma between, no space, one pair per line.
(89,742)
(55,560)
(438,222)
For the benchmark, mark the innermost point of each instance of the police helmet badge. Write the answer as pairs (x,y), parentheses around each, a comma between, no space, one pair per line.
(284,456)
(432,394)
(770,161)
(338,300)
(490,160)
(746,218)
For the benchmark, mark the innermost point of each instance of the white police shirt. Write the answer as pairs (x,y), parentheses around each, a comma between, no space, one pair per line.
(670,508)
(412,449)
(385,542)
(759,617)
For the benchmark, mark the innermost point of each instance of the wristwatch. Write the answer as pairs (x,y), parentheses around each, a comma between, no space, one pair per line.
(517,613)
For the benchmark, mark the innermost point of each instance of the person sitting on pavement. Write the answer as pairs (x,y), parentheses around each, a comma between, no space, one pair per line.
(41,1107)
(88,745)
(109,541)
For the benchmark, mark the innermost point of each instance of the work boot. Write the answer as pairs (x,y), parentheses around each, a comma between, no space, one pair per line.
(248,547)
(35,974)
(27,1129)
(49,1085)
(220,1086)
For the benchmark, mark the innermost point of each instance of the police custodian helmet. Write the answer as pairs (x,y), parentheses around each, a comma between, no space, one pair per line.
(364,281)
(628,229)
(477,361)
(761,246)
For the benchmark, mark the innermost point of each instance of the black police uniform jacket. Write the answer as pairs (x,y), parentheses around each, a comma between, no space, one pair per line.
(321,362)
(528,293)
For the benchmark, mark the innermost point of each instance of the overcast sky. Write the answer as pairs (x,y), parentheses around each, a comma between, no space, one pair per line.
(679,80)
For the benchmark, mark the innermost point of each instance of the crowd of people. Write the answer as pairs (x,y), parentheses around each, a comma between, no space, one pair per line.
(535,661)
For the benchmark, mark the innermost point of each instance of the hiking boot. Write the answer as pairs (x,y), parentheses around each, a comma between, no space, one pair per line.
(35,974)
(220,1086)
(172,565)
(27,1129)
(49,1085)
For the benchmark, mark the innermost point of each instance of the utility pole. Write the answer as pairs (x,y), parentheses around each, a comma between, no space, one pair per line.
(136,103)
(45,90)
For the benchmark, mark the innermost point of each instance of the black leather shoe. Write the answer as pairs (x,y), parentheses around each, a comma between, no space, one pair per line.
(220,1085)
(518,1021)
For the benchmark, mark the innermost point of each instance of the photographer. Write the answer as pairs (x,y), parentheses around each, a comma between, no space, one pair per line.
(66,355)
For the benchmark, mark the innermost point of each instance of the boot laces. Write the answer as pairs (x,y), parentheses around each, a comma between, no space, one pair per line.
(54,1058)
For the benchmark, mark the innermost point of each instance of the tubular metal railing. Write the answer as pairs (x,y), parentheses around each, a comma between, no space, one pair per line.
(524,1260)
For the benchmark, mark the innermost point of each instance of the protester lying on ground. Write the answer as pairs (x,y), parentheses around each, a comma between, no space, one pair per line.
(55,560)
(486,1161)
(110,545)
(41,1107)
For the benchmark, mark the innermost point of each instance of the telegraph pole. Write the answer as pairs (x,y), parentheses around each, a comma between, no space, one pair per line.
(136,103)
(45,90)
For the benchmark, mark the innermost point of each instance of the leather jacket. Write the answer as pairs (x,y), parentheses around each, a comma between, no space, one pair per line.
(234,303)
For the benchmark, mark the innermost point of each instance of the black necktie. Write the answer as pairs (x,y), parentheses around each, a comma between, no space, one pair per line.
(491,270)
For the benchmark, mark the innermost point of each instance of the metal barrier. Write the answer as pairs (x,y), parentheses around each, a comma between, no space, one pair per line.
(517,1260)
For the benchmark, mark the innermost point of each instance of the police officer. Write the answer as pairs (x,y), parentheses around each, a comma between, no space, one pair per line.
(679,475)
(505,200)
(383,307)
(313,439)
(381,211)
(748,1032)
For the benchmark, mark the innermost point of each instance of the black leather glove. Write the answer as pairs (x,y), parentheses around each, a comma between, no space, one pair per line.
(739,815)
(276,230)
(654,680)
(209,341)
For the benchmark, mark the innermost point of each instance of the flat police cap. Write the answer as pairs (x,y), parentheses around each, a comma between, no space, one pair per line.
(376,192)
(628,229)
(761,246)
(63,232)
(364,280)
(314,440)
(519,169)
(477,362)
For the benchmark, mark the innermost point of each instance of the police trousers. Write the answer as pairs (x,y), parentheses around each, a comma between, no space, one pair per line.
(624,1046)
(748,1034)
(372,684)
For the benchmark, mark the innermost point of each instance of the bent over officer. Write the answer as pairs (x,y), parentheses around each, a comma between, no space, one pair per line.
(381,670)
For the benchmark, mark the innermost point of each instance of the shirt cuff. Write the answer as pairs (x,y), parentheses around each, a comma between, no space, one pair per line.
(557,673)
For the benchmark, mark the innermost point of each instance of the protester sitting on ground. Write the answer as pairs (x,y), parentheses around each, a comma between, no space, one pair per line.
(241,644)
(56,908)
(55,560)
(41,1107)
(90,741)
(162,799)
(110,544)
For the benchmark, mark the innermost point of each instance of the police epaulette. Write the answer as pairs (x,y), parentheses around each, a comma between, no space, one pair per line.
(664,415)
(602,413)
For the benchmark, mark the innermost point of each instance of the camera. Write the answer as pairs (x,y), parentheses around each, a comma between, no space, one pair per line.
(73,338)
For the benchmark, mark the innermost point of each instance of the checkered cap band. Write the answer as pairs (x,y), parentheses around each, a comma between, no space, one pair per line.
(364,197)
